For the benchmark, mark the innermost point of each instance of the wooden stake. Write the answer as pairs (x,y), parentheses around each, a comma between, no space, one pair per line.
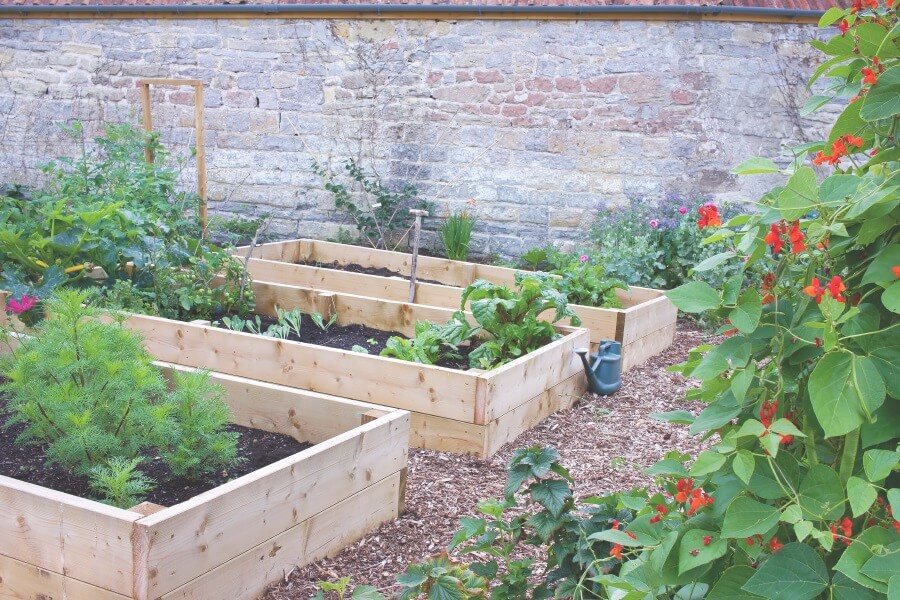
(148,121)
(201,154)
(197,84)
(415,252)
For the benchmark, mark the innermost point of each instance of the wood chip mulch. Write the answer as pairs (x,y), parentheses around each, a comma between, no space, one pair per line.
(442,487)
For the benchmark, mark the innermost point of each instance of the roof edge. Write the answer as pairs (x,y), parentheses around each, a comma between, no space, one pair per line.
(430,11)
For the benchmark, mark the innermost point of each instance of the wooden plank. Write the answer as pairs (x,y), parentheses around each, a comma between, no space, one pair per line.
(163,81)
(306,416)
(196,536)
(328,279)
(373,414)
(603,323)
(245,577)
(516,382)
(446,392)
(508,427)
(23,581)
(447,435)
(67,535)
(649,316)
(640,351)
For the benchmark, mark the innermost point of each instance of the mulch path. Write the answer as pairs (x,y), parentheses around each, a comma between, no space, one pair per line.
(442,487)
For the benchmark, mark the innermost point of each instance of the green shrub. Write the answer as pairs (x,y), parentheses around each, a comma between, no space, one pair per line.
(88,391)
(455,232)
(656,243)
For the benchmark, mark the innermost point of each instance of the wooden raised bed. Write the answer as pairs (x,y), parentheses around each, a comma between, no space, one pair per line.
(646,326)
(473,411)
(231,541)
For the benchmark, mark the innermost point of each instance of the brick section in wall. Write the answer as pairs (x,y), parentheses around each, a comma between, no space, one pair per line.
(538,121)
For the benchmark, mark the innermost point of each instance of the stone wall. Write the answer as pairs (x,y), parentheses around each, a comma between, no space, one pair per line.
(538,121)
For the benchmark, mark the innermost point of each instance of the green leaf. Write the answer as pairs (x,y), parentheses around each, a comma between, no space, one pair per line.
(741,380)
(733,353)
(848,123)
(694,297)
(802,529)
(893,496)
(882,567)
(861,495)
(814,103)
(891,297)
(870,38)
(830,17)
(872,229)
(846,589)
(878,464)
(797,573)
(446,587)
(786,427)
(755,166)
(714,416)
(838,187)
(844,390)
(615,536)
(552,495)
(693,541)
(743,465)
(746,517)
(748,311)
(714,261)
(366,592)
(883,99)
(872,197)
(821,494)
(681,417)
(708,461)
(800,195)
(728,586)
(893,592)
(859,552)
(667,466)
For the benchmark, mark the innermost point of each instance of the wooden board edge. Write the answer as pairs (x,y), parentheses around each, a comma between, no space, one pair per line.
(642,350)
(246,576)
(33,582)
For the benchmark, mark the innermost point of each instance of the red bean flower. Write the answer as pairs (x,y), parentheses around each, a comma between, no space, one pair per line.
(815,290)
(684,488)
(773,238)
(775,545)
(835,287)
(870,77)
(843,27)
(896,270)
(796,237)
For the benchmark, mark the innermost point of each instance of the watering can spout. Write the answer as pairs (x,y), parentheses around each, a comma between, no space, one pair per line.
(604,369)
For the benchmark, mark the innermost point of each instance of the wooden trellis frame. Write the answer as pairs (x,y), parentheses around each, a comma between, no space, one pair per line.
(197,84)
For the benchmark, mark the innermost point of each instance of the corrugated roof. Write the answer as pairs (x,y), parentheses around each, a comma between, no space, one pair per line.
(816,5)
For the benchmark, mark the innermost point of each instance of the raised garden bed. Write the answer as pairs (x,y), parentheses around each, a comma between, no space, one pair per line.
(646,326)
(470,411)
(231,541)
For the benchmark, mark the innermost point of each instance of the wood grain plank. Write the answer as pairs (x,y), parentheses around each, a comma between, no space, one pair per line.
(196,536)
(23,581)
(246,576)
(67,535)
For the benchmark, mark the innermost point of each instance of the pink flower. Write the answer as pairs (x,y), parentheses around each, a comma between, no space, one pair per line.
(654,223)
(17,307)
(584,258)
(682,209)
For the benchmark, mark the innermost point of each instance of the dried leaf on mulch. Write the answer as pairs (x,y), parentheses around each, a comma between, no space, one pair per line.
(443,487)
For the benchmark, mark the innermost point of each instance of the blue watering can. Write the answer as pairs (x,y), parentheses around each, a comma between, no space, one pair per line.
(604,371)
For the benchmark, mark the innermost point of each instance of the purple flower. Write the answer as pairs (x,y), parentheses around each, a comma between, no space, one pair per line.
(584,258)
(654,223)
(682,209)
(18,307)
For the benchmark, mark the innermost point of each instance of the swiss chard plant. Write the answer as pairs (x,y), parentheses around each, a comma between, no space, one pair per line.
(432,342)
(510,318)
(582,276)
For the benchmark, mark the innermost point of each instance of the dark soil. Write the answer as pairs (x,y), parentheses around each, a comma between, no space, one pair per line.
(257,448)
(380,271)
(344,337)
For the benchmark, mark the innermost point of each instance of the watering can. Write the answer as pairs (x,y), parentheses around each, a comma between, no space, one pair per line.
(604,371)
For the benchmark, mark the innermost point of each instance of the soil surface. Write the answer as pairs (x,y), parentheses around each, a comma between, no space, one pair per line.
(442,487)
(257,448)
(344,337)
(380,271)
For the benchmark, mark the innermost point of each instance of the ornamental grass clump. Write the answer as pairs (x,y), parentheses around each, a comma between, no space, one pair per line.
(88,392)
(456,232)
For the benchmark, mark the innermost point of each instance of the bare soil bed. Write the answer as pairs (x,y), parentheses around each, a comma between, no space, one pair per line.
(442,487)
(345,337)
(256,448)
